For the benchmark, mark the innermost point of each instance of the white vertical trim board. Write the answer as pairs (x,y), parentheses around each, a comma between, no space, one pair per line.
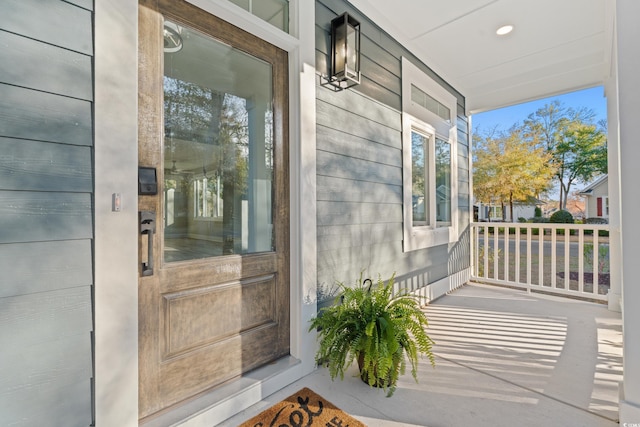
(116,233)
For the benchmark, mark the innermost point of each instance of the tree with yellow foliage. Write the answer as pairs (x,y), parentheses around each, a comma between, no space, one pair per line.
(509,169)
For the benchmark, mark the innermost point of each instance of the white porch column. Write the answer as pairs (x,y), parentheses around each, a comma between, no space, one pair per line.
(628,66)
(615,244)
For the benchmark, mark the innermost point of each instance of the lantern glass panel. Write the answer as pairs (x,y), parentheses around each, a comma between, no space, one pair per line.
(340,46)
(352,52)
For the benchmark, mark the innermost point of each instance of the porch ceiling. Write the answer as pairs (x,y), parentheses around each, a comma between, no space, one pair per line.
(557,46)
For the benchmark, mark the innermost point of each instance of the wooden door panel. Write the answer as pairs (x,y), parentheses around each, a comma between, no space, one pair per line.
(182,276)
(210,314)
(217,363)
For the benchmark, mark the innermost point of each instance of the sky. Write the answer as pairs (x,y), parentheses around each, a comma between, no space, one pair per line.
(504,118)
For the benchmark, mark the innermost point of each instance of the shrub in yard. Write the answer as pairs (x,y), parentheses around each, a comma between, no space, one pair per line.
(539,220)
(522,219)
(601,233)
(537,211)
(596,221)
(561,217)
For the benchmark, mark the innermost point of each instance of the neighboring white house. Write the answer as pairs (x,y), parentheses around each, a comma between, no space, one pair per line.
(493,212)
(596,198)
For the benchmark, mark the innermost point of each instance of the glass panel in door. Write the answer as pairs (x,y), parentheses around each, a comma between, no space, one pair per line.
(218,148)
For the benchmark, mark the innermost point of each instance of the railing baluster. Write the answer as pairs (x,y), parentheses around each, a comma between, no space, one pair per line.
(475,235)
(528,260)
(567,268)
(554,248)
(541,257)
(581,261)
(596,262)
(486,252)
(507,238)
(496,256)
(517,261)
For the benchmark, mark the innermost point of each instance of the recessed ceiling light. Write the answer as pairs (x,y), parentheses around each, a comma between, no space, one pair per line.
(504,30)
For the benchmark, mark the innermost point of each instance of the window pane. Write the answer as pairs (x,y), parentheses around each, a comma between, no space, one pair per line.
(275,12)
(430,103)
(218,150)
(419,195)
(443,183)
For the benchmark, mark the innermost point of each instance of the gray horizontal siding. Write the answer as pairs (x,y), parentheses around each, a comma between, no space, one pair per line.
(334,141)
(332,189)
(463,152)
(28,216)
(463,138)
(358,235)
(46,212)
(32,405)
(31,319)
(347,122)
(30,114)
(340,166)
(37,65)
(44,266)
(345,264)
(463,191)
(55,22)
(355,103)
(86,4)
(42,166)
(359,165)
(340,213)
(46,371)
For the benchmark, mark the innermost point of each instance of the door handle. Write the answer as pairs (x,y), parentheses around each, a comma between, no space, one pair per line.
(148,227)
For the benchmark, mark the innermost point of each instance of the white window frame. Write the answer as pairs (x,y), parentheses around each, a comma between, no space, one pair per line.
(415,117)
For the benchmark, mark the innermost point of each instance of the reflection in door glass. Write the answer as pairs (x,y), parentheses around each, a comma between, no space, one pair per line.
(218,149)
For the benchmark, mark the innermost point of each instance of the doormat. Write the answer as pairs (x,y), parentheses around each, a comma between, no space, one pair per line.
(304,408)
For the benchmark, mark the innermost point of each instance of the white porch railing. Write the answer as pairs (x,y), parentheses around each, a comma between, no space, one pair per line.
(568,259)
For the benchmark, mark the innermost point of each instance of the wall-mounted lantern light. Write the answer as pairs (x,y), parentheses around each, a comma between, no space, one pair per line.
(345,53)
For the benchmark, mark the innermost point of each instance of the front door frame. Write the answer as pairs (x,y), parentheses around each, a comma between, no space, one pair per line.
(178,360)
(115,385)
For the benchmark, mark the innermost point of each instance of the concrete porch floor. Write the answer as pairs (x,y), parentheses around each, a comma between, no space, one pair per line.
(504,358)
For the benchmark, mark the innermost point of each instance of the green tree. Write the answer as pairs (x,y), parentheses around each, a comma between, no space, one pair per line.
(509,168)
(581,154)
(577,145)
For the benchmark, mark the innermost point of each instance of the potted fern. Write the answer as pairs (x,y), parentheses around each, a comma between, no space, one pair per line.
(375,327)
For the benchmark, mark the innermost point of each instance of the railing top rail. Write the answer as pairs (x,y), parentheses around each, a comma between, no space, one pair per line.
(547,225)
